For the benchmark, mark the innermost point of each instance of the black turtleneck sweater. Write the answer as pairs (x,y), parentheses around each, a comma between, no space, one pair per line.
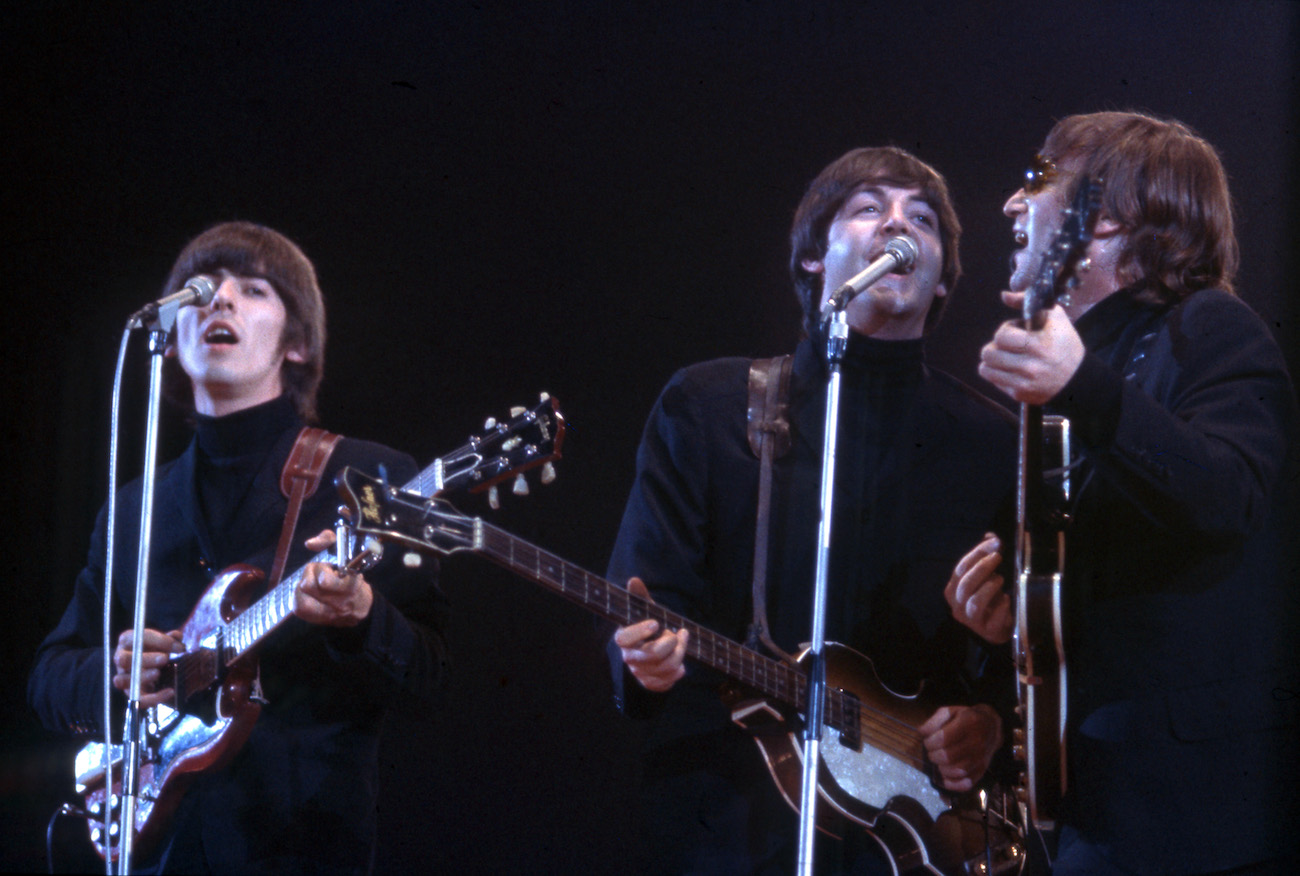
(300,792)
(924,464)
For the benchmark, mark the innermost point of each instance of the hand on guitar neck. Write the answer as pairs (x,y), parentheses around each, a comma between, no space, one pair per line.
(655,657)
(1032,366)
(324,596)
(327,596)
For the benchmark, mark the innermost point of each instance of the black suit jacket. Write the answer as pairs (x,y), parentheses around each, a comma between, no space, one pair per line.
(1180,618)
(301,792)
(923,464)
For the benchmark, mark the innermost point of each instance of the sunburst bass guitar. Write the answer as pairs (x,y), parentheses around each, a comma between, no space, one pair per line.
(874,773)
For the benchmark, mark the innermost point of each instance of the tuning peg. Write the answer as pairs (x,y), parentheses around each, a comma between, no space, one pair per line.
(490,423)
(412,560)
(494,498)
(548,473)
(545,396)
(517,410)
(521,486)
(511,443)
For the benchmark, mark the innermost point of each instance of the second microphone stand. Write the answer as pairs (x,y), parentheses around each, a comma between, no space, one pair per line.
(837,336)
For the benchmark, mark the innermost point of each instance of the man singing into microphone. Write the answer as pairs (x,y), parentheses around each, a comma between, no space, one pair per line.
(919,456)
(299,796)
(1178,597)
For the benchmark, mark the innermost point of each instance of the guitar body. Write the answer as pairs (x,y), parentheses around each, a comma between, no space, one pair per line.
(1042,694)
(1039,637)
(916,825)
(201,729)
(218,699)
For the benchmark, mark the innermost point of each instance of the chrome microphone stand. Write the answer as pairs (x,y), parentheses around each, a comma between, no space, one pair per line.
(837,336)
(159,327)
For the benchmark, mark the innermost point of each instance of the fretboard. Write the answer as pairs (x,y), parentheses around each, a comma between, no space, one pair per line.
(247,629)
(774,679)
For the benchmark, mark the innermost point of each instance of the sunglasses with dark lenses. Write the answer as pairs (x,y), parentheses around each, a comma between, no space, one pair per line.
(1039,175)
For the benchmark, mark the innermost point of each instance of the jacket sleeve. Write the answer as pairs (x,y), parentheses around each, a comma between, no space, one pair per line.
(65,686)
(400,648)
(1199,444)
(664,533)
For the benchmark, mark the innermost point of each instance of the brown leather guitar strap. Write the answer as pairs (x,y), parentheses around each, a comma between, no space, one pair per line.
(769,437)
(299,479)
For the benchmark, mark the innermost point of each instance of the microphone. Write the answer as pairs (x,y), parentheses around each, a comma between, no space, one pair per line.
(899,254)
(197,291)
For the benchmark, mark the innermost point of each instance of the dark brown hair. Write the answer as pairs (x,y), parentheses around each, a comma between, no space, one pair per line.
(1166,187)
(252,250)
(835,185)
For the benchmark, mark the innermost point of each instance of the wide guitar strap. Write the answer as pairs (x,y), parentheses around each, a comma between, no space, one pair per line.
(299,480)
(768,421)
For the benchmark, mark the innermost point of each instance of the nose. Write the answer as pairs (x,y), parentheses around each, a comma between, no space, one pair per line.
(1015,204)
(896,219)
(225,296)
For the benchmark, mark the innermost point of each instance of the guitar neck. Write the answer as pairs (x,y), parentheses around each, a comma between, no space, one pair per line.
(253,625)
(774,679)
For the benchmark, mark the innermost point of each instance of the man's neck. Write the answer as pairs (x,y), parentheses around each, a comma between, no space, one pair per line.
(214,402)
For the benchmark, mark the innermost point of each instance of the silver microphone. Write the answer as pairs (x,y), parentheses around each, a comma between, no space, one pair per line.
(197,291)
(899,255)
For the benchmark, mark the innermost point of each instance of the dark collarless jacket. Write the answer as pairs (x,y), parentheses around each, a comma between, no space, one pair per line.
(301,792)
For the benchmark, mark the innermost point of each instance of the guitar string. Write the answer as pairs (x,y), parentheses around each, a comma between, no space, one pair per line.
(192,673)
(892,735)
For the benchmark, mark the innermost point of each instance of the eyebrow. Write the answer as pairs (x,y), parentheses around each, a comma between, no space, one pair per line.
(879,192)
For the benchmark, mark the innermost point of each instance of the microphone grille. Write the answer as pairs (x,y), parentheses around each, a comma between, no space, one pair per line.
(904,250)
(204,290)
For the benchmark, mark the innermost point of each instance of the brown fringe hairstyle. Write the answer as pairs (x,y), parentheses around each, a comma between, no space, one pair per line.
(1166,187)
(252,250)
(856,169)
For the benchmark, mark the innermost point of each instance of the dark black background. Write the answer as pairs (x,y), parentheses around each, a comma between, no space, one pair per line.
(507,197)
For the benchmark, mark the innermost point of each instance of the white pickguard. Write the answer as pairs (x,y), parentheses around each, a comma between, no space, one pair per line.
(869,775)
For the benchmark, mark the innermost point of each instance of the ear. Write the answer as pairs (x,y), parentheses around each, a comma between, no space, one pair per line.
(940,290)
(1106,227)
(812,266)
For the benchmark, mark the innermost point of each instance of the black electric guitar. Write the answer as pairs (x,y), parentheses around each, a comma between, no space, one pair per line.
(217,696)
(1042,495)
(874,772)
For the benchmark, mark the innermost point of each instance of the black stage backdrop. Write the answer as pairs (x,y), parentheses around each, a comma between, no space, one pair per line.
(503,198)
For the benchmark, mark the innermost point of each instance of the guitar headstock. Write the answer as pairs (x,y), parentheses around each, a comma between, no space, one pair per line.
(531,438)
(1058,271)
(417,522)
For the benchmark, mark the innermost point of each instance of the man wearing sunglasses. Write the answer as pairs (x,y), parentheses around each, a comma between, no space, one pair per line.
(1177,619)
